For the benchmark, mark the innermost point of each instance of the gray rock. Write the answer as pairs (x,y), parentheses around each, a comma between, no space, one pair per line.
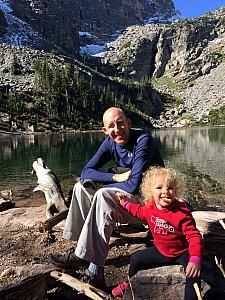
(163,283)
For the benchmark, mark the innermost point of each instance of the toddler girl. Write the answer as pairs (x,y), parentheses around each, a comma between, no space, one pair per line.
(176,238)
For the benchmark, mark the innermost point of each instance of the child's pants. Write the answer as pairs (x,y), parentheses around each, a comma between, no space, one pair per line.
(150,258)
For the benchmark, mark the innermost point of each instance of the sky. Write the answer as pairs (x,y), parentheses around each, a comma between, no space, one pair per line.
(196,8)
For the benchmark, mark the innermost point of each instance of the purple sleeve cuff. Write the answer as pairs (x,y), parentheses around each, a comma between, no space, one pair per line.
(126,205)
(195,259)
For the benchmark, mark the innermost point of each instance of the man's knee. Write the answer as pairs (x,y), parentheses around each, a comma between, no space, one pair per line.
(77,186)
(101,192)
(106,195)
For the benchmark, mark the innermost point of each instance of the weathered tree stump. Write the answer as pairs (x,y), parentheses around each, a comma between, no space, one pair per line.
(49,184)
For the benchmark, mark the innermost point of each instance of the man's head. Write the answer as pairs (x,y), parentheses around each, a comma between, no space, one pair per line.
(116,125)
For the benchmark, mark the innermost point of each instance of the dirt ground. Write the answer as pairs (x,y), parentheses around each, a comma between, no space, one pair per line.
(25,251)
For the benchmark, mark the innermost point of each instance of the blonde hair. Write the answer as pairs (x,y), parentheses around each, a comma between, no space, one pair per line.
(149,180)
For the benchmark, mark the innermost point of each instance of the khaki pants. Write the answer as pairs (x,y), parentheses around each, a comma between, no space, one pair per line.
(91,219)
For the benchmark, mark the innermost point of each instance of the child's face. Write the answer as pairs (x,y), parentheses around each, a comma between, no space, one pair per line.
(163,191)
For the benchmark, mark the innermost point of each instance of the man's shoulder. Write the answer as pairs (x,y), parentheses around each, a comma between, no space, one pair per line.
(141,136)
(140,133)
(107,140)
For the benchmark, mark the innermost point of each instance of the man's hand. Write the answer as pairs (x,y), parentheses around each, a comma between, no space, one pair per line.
(193,270)
(122,198)
(121,177)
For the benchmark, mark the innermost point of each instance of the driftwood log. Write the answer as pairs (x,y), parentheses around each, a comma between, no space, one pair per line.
(49,184)
(81,287)
(51,222)
(209,223)
(35,287)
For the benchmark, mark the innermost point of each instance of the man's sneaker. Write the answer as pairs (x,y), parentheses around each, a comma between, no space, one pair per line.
(120,289)
(67,260)
(96,281)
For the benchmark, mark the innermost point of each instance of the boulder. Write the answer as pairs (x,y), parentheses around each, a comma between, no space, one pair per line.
(161,283)
(25,216)
(168,283)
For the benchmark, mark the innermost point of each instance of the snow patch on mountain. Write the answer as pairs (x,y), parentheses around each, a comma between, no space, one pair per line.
(18,32)
(162,20)
(99,50)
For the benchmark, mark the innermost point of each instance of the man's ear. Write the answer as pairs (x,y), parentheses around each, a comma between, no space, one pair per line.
(103,129)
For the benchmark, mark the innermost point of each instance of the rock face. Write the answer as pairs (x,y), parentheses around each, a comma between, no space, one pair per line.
(187,56)
(185,59)
(106,16)
(57,21)
(187,49)
(3,23)
(26,58)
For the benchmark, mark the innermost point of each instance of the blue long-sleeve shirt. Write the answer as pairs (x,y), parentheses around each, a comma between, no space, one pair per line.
(138,154)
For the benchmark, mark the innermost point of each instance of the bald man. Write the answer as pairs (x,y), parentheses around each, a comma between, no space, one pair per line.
(93,214)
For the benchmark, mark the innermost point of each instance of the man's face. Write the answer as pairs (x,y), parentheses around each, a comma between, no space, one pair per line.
(117,126)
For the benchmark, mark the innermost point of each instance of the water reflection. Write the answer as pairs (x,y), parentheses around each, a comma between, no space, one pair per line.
(66,154)
(203,148)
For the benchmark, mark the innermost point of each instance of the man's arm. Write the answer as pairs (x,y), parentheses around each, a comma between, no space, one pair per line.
(101,157)
(146,154)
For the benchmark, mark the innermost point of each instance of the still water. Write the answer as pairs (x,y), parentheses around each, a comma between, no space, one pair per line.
(202,149)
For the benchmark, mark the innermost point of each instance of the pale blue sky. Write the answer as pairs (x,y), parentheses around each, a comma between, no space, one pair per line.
(196,8)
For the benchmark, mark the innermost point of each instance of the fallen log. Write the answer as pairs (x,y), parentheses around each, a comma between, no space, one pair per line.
(222,224)
(81,287)
(51,222)
(209,224)
(219,263)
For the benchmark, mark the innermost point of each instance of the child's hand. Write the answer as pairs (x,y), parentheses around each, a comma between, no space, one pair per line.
(193,270)
(122,198)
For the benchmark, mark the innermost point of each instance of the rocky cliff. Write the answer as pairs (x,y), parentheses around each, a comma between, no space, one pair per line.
(184,60)
(59,22)
(3,23)
(33,81)
(104,17)
(187,48)
(56,21)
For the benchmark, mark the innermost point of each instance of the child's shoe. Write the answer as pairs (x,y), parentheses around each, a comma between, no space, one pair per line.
(120,289)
